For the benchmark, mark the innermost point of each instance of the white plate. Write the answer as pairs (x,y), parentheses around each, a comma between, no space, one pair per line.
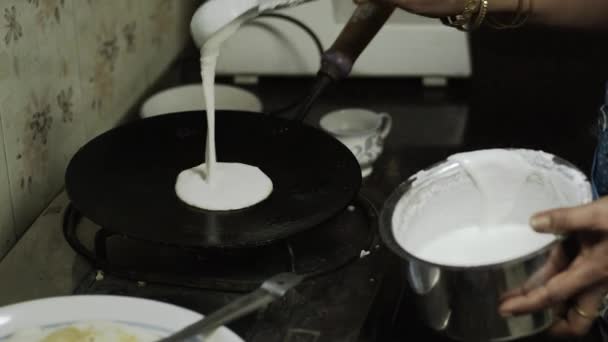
(140,314)
(190,97)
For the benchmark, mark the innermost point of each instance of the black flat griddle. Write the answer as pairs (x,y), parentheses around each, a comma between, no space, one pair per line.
(124,180)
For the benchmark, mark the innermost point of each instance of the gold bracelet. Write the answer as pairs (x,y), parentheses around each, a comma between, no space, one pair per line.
(462,20)
(519,19)
(483,11)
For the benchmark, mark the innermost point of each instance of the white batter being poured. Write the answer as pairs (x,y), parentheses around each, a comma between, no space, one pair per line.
(509,189)
(213,185)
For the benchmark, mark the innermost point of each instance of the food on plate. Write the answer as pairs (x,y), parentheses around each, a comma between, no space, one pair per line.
(85,332)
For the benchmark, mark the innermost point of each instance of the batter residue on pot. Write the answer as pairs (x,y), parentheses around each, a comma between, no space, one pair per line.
(457,222)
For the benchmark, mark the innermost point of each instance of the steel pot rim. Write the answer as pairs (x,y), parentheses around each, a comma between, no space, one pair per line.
(389,240)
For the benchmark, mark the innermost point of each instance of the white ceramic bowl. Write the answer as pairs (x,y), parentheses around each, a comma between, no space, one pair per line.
(190,97)
(134,314)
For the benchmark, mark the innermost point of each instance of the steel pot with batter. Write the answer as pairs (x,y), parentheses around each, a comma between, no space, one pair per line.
(462,301)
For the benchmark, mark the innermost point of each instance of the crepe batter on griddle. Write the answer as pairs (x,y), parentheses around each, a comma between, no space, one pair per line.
(212,185)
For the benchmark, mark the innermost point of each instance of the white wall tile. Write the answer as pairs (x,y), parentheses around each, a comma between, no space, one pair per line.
(41,120)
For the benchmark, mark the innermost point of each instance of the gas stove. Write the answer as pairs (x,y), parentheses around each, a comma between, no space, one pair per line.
(342,259)
(352,296)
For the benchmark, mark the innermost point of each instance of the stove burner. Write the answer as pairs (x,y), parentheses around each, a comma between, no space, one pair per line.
(315,252)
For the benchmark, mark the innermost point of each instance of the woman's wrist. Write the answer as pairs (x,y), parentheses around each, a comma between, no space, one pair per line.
(502,6)
(496,14)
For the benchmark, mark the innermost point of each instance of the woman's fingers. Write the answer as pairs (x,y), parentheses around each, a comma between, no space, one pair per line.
(589,217)
(579,318)
(559,289)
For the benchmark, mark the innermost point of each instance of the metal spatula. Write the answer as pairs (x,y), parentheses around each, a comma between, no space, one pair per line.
(271,289)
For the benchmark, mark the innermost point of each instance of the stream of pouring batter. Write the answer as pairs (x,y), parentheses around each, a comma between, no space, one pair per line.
(208,64)
(213,185)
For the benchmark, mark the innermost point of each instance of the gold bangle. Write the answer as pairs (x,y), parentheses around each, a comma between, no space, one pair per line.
(483,11)
(460,21)
(519,19)
(493,22)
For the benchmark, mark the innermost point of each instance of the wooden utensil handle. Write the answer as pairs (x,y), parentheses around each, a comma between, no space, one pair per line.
(366,21)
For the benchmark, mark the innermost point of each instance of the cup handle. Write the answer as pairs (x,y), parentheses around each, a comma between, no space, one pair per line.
(386,126)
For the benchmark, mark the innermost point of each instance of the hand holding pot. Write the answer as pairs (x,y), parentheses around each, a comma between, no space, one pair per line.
(577,287)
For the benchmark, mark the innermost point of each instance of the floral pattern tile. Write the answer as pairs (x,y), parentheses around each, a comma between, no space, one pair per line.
(165,30)
(41,128)
(14,30)
(129,69)
(7,224)
(99,48)
(69,70)
(124,45)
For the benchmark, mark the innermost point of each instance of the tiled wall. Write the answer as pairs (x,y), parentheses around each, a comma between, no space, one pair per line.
(70,69)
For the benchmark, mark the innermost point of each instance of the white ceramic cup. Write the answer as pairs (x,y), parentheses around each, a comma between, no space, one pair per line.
(190,97)
(362,131)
